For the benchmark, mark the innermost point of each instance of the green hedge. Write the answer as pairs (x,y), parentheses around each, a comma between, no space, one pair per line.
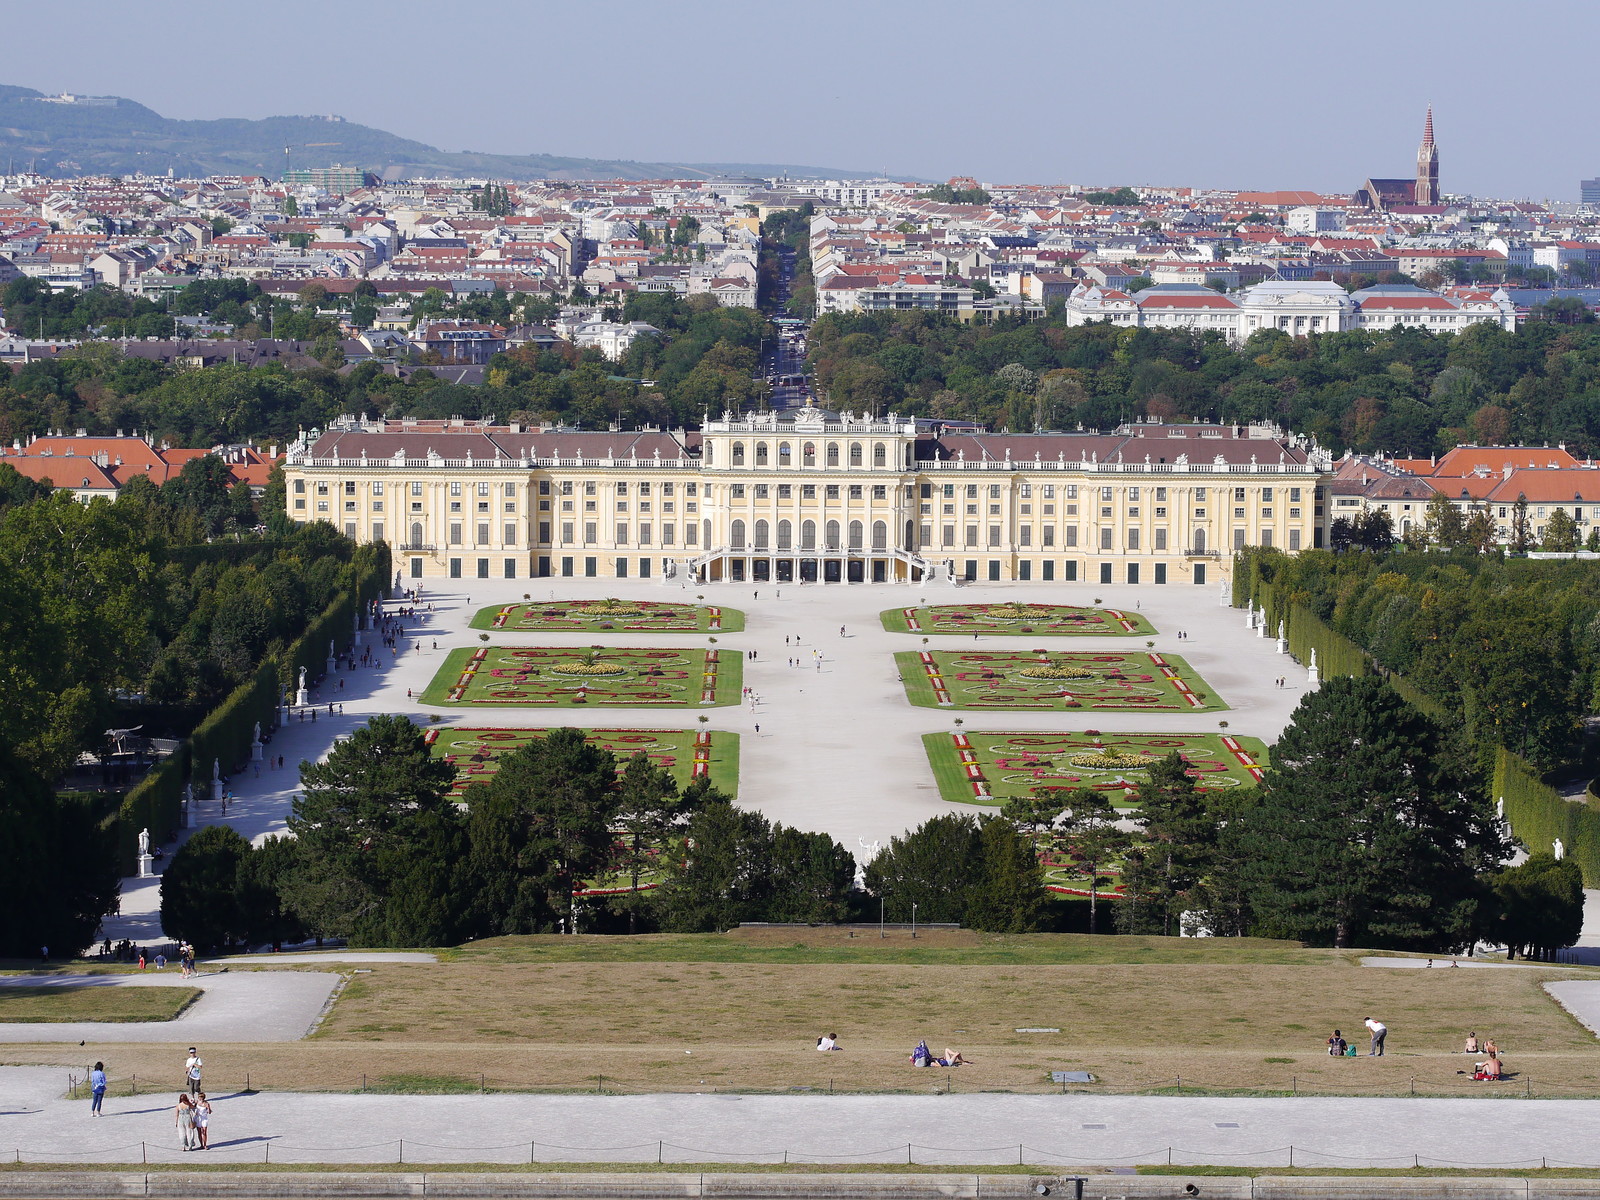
(229,729)
(154,803)
(1539,815)
(1336,654)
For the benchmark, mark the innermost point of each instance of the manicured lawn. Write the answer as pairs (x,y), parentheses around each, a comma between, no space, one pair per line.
(1093,680)
(609,616)
(553,677)
(686,753)
(1044,620)
(94,1003)
(991,768)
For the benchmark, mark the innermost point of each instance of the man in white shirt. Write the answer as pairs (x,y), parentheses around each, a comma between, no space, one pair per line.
(191,1071)
(1379,1032)
(828,1041)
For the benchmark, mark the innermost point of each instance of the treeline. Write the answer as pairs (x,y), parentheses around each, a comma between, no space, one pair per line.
(1372,827)
(1508,648)
(124,615)
(1403,391)
(703,363)
(561,839)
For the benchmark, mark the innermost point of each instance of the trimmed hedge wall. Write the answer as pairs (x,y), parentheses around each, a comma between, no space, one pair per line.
(228,730)
(1537,812)
(154,803)
(1539,815)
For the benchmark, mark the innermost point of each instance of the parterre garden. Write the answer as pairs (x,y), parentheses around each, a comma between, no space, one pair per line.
(1014,617)
(1051,681)
(608,616)
(991,768)
(601,676)
(686,753)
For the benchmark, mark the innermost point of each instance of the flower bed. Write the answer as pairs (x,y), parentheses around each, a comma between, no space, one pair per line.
(1013,617)
(620,677)
(1115,681)
(608,615)
(991,768)
(687,753)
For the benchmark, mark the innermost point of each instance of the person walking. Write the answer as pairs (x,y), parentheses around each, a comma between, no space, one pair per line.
(1379,1032)
(192,1067)
(183,1118)
(97,1088)
(202,1121)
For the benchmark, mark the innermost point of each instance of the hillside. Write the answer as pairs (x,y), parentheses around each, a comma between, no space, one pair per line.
(113,136)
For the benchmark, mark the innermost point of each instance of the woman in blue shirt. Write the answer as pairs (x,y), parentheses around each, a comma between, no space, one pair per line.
(97,1088)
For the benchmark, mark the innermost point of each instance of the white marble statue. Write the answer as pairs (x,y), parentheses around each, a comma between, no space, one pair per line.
(144,841)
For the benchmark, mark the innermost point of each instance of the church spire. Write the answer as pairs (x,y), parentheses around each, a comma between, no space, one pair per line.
(1427,188)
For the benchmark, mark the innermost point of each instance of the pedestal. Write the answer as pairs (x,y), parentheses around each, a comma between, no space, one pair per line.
(255,752)
(216,789)
(302,698)
(332,667)
(144,866)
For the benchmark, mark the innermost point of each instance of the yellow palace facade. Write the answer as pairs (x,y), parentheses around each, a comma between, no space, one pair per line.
(809,495)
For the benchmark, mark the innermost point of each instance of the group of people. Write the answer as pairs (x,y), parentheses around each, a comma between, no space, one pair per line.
(1490,1068)
(1339,1047)
(192,1116)
(921,1056)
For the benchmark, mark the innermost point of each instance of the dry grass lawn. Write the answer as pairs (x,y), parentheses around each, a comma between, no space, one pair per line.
(744,1010)
(56,1004)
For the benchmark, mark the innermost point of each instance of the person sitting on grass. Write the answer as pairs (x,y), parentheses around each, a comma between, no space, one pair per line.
(1337,1044)
(1472,1044)
(921,1056)
(828,1041)
(1491,1069)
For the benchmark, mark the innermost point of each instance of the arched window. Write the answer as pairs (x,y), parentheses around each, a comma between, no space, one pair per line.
(833,454)
(705,529)
(1199,541)
(855,535)
(833,535)
(761,535)
(880,535)
(785,535)
(416,533)
(738,454)
(808,535)
(855,454)
(785,459)
(736,535)
(880,456)
(761,454)
(705,453)
(808,455)
(911,535)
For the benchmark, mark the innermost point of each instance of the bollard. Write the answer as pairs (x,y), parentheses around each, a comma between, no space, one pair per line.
(482,1087)
(531,1158)
(1291,1156)
(1294,1085)
(402,1142)
(144,1154)
(658,1151)
(266,1156)
(135,1082)
(908,1154)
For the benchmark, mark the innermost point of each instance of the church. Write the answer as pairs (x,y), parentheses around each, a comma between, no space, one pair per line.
(1387,195)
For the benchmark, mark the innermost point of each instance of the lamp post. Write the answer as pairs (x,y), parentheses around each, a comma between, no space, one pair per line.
(913,922)
(881,933)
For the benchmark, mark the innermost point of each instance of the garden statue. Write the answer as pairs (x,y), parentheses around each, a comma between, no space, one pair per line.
(144,841)
(1560,849)
(1316,675)
(1499,808)
(255,745)
(301,698)
(1283,642)
(216,779)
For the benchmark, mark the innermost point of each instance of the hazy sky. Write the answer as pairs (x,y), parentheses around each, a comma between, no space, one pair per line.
(1229,93)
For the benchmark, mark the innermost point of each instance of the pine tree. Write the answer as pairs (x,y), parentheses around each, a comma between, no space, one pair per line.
(199,889)
(1177,848)
(1007,896)
(1369,829)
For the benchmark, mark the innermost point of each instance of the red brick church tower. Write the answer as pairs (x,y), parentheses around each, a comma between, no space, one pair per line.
(1427,192)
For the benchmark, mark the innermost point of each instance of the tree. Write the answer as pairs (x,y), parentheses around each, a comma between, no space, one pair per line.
(540,829)
(1092,836)
(1122,197)
(1480,532)
(812,876)
(1446,527)
(1176,849)
(649,810)
(61,870)
(1370,828)
(259,889)
(368,808)
(199,889)
(1561,535)
(1540,905)
(725,874)
(1521,527)
(1008,894)
(291,206)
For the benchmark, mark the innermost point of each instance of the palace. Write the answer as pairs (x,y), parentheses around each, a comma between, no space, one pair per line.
(808,495)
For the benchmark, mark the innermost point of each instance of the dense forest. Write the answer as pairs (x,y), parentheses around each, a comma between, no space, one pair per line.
(1406,392)
(704,362)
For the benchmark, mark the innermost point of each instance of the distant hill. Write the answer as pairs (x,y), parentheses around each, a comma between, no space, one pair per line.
(112,136)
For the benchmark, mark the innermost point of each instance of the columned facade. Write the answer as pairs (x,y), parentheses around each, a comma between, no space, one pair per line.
(810,496)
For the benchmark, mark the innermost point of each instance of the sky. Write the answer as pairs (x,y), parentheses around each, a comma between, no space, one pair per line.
(1203,93)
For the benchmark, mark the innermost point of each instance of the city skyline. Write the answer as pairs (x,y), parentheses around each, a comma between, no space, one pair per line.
(886,92)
